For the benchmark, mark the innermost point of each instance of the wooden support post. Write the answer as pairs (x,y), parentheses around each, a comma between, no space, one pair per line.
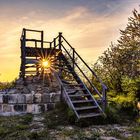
(42,39)
(104,99)
(73,57)
(35,44)
(50,45)
(37,70)
(23,45)
(54,40)
(59,40)
(36,47)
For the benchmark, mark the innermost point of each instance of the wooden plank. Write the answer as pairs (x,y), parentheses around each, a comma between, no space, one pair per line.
(89,115)
(85,108)
(31,61)
(79,95)
(82,101)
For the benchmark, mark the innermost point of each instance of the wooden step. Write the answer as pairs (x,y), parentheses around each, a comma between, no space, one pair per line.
(30,72)
(70,84)
(79,95)
(89,115)
(74,91)
(33,66)
(67,81)
(82,101)
(31,61)
(85,108)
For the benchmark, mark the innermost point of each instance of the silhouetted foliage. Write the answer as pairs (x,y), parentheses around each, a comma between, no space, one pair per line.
(119,66)
(122,59)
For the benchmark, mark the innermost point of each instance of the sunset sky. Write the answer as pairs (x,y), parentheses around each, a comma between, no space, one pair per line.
(89,25)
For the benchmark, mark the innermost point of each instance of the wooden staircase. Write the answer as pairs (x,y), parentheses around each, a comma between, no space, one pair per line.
(78,90)
(77,95)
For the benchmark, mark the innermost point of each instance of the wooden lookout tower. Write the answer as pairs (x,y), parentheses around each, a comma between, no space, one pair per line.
(82,95)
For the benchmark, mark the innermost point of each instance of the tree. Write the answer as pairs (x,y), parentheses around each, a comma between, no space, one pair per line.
(122,59)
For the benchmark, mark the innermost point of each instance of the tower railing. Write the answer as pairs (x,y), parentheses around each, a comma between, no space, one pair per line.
(98,89)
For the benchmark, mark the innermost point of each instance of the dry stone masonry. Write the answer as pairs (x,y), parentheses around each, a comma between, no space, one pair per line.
(36,95)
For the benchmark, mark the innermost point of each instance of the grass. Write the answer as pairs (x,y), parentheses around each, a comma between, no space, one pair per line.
(14,127)
(61,123)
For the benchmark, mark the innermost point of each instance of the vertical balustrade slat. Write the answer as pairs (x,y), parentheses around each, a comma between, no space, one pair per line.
(73,60)
(59,40)
(42,39)
(23,53)
(54,42)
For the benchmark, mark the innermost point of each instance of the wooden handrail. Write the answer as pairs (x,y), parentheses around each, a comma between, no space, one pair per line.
(83,73)
(33,30)
(103,85)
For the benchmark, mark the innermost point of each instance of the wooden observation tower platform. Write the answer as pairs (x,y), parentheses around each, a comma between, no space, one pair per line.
(39,57)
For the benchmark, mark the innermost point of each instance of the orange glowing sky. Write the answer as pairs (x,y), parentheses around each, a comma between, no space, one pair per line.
(89,25)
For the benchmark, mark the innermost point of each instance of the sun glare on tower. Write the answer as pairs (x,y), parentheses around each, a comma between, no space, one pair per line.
(46,63)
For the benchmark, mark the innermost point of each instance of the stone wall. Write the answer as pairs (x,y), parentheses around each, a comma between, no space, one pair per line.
(34,96)
(27,103)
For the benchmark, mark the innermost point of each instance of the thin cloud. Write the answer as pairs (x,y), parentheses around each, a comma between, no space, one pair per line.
(87,31)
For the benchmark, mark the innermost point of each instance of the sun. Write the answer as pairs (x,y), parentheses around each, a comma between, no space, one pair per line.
(46,63)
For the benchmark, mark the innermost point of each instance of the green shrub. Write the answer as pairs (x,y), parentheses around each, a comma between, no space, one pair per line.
(22,127)
(71,115)
(27,119)
(95,135)
(112,113)
(7,85)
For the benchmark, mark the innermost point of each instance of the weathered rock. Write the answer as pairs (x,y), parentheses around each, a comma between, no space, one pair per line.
(45,90)
(46,98)
(108,138)
(1,109)
(3,92)
(54,97)
(12,98)
(25,90)
(1,98)
(33,92)
(12,91)
(7,108)
(36,109)
(37,98)
(20,81)
(31,87)
(5,99)
(39,90)
(20,108)
(29,108)
(39,86)
(29,98)
(42,108)
(21,98)
(19,87)
(51,106)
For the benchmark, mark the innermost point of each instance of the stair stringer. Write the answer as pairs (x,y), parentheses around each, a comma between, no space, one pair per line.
(79,81)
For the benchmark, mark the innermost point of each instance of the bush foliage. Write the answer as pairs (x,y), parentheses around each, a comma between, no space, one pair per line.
(119,66)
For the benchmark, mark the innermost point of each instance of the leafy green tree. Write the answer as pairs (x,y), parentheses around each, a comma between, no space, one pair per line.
(122,59)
